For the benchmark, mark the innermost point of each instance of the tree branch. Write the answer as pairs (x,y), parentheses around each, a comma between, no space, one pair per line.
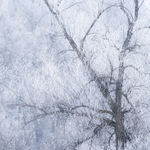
(81,55)
(92,25)
(130,24)
(136,9)
(93,109)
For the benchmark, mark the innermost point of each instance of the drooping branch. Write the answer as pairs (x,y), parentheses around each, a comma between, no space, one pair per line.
(64,109)
(93,109)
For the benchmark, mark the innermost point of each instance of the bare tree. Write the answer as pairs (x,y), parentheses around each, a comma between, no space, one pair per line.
(111,86)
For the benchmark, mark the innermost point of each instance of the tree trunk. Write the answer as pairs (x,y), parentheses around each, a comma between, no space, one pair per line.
(119,132)
(119,117)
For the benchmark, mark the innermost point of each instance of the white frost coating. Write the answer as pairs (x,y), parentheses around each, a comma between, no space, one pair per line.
(50,96)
